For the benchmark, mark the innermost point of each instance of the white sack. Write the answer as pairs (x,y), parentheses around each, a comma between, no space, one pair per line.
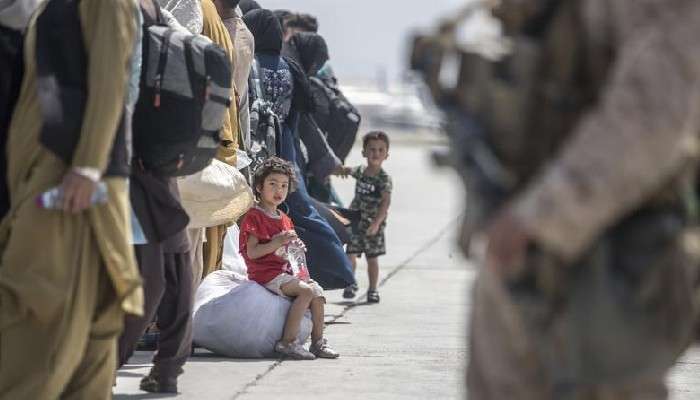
(232,260)
(214,285)
(240,319)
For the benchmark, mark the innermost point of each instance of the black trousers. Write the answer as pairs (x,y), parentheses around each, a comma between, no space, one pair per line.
(167,294)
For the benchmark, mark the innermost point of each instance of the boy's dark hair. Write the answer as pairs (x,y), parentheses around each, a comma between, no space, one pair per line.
(274,165)
(304,22)
(375,135)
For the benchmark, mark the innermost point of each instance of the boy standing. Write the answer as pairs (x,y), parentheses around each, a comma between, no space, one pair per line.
(372,199)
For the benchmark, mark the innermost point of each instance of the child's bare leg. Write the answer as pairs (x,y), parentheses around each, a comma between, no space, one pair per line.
(353,262)
(317,315)
(373,272)
(303,295)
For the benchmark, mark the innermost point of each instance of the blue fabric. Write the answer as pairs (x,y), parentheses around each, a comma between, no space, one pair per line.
(327,262)
(137,234)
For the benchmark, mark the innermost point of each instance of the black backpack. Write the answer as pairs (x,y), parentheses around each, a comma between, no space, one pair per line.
(342,121)
(11,72)
(265,128)
(184,98)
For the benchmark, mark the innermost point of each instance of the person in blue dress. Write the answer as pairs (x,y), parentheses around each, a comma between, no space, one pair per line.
(284,84)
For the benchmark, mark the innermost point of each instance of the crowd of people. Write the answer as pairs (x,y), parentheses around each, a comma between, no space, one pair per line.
(161,94)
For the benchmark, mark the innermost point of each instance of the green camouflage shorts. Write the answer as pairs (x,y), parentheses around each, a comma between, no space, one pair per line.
(371,246)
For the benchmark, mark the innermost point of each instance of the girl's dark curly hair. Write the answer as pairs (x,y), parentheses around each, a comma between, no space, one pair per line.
(274,165)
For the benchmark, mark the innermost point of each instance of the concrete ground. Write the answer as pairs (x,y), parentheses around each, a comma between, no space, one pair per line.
(410,346)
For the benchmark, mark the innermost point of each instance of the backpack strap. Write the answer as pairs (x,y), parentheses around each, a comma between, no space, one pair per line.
(151,13)
(162,62)
(189,63)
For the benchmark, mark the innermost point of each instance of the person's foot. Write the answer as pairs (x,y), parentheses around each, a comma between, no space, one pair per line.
(350,291)
(154,383)
(294,351)
(321,349)
(372,296)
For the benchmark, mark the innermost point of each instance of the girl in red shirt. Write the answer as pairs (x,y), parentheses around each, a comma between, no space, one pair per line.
(265,234)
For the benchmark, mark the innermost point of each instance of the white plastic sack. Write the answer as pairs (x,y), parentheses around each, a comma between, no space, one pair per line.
(243,160)
(187,12)
(232,260)
(240,319)
(215,285)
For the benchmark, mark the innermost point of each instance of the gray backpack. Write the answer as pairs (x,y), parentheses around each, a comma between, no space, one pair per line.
(185,95)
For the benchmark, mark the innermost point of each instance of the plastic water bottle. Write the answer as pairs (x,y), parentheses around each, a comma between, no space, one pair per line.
(52,199)
(297,260)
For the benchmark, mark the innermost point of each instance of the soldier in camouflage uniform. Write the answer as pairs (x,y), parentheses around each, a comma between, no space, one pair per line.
(588,286)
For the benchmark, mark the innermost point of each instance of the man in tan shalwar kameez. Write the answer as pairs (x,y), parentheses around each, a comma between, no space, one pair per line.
(244,53)
(212,251)
(67,278)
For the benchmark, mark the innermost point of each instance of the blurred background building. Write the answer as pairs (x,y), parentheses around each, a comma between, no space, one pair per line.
(368,42)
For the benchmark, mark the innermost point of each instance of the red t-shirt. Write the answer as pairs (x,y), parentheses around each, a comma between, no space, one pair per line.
(257,223)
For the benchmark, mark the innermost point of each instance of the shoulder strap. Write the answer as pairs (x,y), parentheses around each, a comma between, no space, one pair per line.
(327,89)
(151,13)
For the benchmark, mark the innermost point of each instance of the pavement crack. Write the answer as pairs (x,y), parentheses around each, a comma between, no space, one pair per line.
(402,265)
(257,379)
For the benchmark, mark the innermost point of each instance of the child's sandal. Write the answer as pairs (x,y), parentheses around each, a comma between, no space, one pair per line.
(372,296)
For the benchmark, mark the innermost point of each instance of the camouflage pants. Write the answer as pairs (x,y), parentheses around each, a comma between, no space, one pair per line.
(498,370)
(608,328)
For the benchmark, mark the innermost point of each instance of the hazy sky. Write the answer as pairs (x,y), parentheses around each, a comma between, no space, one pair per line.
(365,36)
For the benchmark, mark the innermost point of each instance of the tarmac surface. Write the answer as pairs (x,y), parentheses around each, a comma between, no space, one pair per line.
(409,346)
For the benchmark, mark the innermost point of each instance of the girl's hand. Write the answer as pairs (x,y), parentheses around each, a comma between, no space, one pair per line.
(284,238)
(300,243)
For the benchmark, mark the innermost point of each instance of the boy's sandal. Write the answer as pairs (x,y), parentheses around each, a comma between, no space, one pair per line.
(350,291)
(372,296)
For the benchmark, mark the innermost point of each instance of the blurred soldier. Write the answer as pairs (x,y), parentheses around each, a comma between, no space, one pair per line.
(580,149)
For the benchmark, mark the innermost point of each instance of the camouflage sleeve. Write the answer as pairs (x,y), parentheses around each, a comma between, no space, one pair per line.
(643,132)
(356,172)
(388,185)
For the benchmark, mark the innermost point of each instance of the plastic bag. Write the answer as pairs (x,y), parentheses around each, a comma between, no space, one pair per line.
(296,254)
(232,259)
(187,12)
(238,318)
